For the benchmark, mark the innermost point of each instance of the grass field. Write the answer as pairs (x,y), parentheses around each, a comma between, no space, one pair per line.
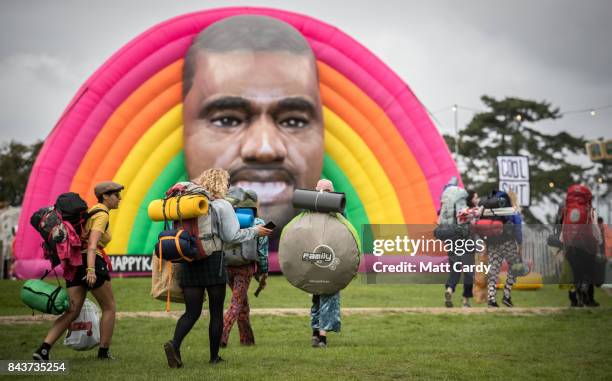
(572,344)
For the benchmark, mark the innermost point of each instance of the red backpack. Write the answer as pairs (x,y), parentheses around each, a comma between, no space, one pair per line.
(577,229)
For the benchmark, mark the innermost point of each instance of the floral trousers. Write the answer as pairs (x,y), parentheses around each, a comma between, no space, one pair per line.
(239,279)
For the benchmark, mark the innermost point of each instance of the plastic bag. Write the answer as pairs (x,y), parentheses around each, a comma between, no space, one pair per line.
(84,332)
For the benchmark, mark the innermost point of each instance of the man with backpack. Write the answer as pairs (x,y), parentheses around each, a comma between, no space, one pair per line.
(93,272)
(581,238)
(454,202)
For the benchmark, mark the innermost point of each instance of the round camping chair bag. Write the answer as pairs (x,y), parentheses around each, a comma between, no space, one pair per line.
(319,252)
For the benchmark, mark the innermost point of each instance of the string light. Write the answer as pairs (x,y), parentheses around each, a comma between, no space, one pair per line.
(592,111)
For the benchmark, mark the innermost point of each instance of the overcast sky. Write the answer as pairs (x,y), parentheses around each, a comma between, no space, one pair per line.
(448,52)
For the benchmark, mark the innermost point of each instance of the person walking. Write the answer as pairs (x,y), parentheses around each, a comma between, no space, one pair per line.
(92,276)
(239,277)
(325,309)
(506,246)
(209,274)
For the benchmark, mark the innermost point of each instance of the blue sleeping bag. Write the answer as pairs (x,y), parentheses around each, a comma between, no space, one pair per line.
(246,217)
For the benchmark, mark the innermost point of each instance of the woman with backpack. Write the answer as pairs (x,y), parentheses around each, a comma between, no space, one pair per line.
(92,275)
(209,274)
(240,274)
(506,246)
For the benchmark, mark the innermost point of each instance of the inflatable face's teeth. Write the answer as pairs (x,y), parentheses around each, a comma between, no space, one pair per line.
(266,191)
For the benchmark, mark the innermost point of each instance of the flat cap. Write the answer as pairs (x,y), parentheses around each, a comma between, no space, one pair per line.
(107,187)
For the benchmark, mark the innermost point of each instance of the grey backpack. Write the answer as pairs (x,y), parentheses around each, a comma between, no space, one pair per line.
(239,254)
(207,232)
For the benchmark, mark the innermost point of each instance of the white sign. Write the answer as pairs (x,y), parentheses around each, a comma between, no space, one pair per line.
(513,168)
(514,176)
(521,188)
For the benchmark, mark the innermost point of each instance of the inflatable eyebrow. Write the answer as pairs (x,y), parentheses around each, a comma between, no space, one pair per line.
(125,124)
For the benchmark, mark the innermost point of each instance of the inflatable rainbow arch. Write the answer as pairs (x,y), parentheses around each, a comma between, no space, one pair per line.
(125,125)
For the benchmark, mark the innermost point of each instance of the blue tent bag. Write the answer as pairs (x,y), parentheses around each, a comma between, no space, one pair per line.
(176,245)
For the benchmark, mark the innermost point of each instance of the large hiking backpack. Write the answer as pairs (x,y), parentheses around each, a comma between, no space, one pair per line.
(577,229)
(49,222)
(245,206)
(196,237)
(239,254)
(448,228)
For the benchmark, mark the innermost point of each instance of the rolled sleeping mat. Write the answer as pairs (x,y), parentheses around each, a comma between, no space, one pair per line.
(44,297)
(499,212)
(246,217)
(319,252)
(317,201)
(189,206)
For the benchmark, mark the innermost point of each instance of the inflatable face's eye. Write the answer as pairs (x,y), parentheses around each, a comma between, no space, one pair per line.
(226,121)
(294,122)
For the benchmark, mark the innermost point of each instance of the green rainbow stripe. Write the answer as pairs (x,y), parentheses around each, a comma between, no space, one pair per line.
(143,240)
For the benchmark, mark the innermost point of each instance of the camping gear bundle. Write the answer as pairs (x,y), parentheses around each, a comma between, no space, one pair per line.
(319,248)
(187,207)
(491,223)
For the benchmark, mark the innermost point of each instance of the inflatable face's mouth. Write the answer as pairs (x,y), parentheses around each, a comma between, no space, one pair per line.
(268,192)
(272,185)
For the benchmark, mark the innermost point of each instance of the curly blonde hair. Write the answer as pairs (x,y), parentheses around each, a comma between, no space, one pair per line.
(215,181)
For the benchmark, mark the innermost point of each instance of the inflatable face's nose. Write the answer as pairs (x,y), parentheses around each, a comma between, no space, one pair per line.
(263,142)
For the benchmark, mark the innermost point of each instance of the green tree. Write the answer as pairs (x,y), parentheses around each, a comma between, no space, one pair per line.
(509,128)
(16,162)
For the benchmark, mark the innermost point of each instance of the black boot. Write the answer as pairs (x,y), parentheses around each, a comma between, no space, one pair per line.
(590,301)
(173,355)
(573,299)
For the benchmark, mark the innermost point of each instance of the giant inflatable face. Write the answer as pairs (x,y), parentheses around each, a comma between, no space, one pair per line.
(251,105)
(126,124)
